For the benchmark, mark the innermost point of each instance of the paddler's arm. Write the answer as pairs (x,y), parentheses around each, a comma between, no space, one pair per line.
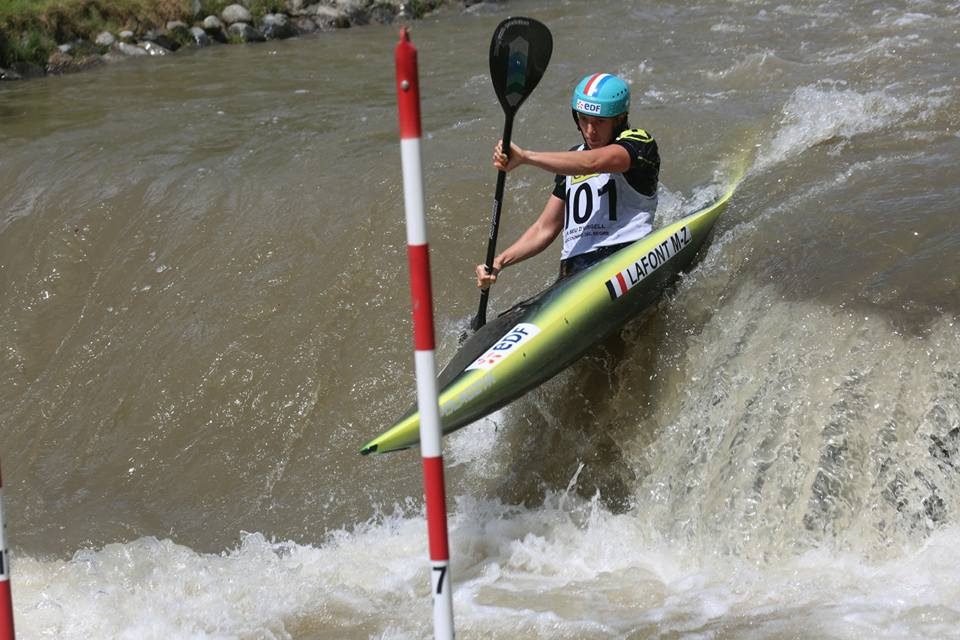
(611,158)
(534,240)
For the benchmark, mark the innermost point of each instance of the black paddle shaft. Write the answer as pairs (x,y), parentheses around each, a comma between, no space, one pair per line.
(519,53)
(481,316)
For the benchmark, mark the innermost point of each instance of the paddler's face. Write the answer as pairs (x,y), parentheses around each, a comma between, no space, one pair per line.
(597,131)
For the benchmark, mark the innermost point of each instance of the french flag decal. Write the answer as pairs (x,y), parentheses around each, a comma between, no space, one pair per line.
(624,280)
(593,84)
(617,286)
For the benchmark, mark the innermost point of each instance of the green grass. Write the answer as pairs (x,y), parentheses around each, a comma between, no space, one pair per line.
(418,8)
(64,20)
(29,47)
(260,8)
(30,29)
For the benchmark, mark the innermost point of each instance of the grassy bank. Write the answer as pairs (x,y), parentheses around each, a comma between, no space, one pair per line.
(31,29)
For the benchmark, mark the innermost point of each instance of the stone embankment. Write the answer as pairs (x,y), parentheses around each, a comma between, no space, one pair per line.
(235,23)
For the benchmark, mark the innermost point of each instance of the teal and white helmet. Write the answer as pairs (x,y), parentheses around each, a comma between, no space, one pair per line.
(601,94)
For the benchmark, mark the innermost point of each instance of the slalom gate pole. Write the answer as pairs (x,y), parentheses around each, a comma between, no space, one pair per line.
(6,601)
(418,257)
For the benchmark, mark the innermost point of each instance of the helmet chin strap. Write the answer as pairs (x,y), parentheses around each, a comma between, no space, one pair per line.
(620,128)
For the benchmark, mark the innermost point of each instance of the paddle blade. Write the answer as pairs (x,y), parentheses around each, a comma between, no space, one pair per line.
(519,54)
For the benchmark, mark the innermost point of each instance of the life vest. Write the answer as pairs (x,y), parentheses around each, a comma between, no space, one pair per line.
(603,209)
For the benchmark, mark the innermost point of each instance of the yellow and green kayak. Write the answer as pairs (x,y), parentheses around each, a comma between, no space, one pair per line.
(537,339)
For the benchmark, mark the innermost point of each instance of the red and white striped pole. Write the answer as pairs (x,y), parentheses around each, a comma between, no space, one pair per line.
(6,601)
(418,257)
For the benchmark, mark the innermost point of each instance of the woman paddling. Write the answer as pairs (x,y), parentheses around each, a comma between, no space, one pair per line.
(605,191)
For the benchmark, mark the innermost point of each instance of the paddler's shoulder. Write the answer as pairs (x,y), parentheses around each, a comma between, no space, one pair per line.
(635,135)
(643,150)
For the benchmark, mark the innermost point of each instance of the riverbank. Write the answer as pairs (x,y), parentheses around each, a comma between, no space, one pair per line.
(52,37)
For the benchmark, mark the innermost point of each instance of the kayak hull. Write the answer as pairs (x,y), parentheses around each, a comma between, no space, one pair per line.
(535,340)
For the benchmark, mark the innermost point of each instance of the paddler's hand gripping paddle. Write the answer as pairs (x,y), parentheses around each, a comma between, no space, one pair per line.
(519,54)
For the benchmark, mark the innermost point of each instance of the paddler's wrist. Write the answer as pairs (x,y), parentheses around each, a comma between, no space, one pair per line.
(522,156)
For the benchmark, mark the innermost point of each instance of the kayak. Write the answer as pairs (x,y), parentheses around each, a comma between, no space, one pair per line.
(540,337)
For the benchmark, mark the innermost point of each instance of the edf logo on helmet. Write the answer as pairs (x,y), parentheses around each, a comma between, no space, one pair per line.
(588,107)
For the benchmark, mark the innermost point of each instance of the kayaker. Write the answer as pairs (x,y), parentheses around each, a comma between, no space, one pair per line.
(605,190)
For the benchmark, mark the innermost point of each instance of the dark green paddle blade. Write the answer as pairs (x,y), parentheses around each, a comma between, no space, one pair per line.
(519,53)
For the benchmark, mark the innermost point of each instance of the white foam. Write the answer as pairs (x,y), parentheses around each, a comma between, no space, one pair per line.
(892,47)
(476,444)
(750,66)
(568,569)
(726,27)
(911,19)
(817,113)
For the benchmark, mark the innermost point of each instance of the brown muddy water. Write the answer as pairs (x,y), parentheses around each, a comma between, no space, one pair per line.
(205,314)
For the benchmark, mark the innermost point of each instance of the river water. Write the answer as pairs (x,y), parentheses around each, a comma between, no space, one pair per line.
(205,314)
